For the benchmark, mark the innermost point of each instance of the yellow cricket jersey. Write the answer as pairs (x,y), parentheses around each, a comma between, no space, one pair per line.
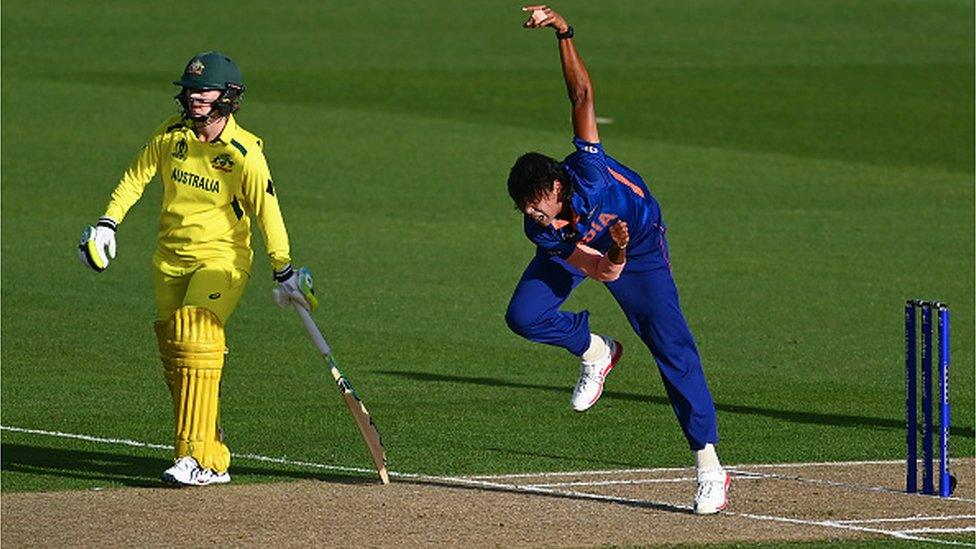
(210,190)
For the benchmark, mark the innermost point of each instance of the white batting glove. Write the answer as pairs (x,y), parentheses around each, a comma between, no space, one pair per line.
(97,245)
(294,288)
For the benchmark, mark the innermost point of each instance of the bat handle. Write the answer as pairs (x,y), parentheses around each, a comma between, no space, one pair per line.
(313,331)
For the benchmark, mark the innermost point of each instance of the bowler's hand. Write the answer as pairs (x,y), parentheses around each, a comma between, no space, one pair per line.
(543,16)
(620,234)
(617,254)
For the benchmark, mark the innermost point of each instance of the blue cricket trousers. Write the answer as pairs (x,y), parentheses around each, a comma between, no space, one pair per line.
(650,301)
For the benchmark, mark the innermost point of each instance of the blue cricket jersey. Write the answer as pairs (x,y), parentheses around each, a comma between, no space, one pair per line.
(604,192)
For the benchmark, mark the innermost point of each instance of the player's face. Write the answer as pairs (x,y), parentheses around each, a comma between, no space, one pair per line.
(201,101)
(544,209)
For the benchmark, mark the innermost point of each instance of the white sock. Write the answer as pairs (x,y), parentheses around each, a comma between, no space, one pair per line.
(597,350)
(706,459)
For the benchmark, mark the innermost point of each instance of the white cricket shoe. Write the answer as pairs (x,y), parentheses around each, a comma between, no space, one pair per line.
(713,487)
(187,472)
(590,385)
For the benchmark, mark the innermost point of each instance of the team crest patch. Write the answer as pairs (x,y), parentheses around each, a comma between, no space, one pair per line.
(195,67)
(222,162)
(179,152)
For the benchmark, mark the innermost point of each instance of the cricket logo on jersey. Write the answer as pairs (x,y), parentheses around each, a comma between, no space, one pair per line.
(179,152)
(223,163)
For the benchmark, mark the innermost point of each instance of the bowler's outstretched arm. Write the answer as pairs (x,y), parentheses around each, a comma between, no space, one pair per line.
(578,84)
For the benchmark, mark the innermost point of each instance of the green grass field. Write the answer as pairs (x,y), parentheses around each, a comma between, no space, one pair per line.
(814,160)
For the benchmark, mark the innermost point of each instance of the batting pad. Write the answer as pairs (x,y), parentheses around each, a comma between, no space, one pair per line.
(191,344)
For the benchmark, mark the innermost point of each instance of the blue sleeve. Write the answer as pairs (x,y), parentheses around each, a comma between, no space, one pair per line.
(589,162)
(548,243)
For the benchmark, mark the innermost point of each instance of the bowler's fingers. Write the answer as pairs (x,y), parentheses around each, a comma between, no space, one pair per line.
(541,16)
(620,233)
(538,23)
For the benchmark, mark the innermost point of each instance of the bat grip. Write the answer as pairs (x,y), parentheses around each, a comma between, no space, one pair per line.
(313,331)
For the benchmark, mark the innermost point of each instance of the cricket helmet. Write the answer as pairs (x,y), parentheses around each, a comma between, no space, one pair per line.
(212,70)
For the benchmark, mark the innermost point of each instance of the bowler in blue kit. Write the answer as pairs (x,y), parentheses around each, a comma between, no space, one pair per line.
(590,216)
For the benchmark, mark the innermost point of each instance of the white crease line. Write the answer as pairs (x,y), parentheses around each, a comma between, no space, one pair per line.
(580,473)
(839,525)
(614,482)
(285,461)
(136,444)
(838,484)
(634,481)
(909,519)
(822,464)
(58,434)
(938,530)
(667,469)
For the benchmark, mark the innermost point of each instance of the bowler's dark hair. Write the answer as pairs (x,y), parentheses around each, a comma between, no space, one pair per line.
(532,176)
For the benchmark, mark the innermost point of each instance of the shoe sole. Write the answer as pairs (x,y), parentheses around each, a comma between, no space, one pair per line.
(613,362)
(725,502)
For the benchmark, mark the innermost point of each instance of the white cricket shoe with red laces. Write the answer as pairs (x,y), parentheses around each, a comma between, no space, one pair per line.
(590,385)
(712,495)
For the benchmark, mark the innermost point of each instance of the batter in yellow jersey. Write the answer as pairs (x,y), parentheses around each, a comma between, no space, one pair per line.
(215,179)
(210,191)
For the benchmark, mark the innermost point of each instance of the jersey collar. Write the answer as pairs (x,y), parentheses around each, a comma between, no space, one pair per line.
(229,132)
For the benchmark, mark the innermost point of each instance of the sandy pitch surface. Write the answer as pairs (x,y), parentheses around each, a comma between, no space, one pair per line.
(641,507)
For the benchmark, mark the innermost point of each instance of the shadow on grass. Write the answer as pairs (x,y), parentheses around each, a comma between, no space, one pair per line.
(572,459)
(817,418)
(130,470)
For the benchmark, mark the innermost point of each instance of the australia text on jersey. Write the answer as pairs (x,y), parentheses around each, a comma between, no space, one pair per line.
(194,180)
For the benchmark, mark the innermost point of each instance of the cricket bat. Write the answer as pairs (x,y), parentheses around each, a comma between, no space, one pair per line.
(367,428)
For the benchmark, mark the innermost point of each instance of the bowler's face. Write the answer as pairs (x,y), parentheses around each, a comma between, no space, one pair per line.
(544,209)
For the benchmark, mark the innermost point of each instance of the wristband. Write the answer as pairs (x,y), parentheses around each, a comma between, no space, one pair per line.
(284,274)
(107,222)
(565,35)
